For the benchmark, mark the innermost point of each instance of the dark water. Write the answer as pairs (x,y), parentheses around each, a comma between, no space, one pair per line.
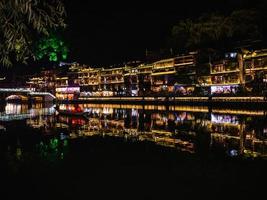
(145,151)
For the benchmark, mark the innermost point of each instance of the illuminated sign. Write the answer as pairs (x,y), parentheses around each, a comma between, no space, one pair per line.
(224,89)
(231,55)
(222,119)
(68,89)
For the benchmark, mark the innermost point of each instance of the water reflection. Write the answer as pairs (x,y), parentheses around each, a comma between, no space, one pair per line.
(191,129)
(24,111)
(54,148)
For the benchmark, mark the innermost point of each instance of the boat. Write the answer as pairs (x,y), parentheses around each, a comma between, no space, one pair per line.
(76,112)
(69,112)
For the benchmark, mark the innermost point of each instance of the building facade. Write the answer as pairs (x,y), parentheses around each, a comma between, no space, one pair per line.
(232,73)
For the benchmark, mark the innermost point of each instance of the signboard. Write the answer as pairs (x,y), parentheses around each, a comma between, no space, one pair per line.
(68,89)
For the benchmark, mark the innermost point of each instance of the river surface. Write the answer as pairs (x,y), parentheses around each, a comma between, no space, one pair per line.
(241,133)
(151,144)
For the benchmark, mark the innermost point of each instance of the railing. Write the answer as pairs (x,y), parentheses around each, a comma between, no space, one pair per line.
(28,91)
(239,99)
(43,94)
(177,99)
(224,71)
(15,90)
(159,98)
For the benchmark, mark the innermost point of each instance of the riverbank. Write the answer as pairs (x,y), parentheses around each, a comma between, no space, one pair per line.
(246,102)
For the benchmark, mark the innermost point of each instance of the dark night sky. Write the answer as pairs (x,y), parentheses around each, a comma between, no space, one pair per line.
(107,34)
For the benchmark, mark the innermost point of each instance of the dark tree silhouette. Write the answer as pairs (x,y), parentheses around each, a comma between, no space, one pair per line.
(217,31)
(21,21)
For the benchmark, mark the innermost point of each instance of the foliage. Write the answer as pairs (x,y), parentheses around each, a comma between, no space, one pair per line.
(215,30)
(52,47)
(23,20)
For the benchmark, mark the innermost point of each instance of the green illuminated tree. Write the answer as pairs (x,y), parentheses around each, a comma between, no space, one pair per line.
(21,21)
(51,47)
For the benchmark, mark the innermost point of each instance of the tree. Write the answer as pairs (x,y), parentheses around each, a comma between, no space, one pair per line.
(52,47)
(217,31)
(182,32)
(21,22)
(246,24)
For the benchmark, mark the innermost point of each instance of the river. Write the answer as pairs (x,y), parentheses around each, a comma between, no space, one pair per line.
(185,140)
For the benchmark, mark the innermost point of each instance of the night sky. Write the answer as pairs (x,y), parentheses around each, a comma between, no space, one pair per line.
(105,34)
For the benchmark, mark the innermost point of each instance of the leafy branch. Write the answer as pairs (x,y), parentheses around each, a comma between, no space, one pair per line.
(23,20)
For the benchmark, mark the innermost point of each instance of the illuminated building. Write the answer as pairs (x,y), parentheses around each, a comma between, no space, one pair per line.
(175,76)
(131,81)
(67,93)
(226,74)
(222,74)
(144,79)
(112,82)
(89,81)
(62,81)
(185,79)
(80,81)
(45,82)
(183,75)
(255,67)
(163,76)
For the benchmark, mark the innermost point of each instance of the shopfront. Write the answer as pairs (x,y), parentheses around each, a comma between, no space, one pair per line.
(224,89)
(67,93)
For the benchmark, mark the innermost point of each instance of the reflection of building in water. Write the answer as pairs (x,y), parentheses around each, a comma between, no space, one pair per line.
(42,118)
(44,123)
(132,125)
(236,136)
(22,111)
(12,108)
(189,130)
(183,130)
